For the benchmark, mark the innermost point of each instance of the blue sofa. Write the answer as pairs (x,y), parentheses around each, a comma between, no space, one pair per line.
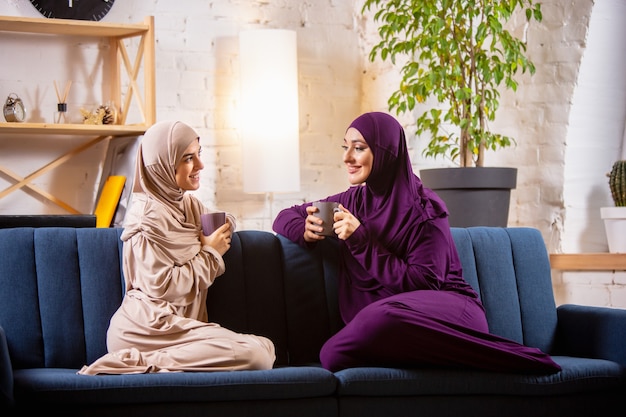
(59,286)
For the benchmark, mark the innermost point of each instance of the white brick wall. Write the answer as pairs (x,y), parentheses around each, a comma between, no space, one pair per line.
(568,119)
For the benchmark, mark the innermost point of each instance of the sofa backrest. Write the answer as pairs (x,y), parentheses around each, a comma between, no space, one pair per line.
(60,286)
(510,270)
(273,287)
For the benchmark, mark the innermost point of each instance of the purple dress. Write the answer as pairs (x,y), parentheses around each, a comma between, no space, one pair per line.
(402,294)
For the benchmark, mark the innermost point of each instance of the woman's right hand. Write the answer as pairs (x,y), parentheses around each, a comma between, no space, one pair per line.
(219,240)
(312,225)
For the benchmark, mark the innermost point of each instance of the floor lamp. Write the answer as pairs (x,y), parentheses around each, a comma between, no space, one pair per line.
(269,118)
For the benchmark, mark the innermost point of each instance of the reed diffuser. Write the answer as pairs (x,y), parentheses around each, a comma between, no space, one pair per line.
(61,115)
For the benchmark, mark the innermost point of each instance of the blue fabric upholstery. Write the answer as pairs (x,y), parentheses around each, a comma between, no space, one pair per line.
(311,295)
(592,332)
(62,385)
(384,382)
(517,289)
(61,297)
(6,373)
(60,286)
(249,297)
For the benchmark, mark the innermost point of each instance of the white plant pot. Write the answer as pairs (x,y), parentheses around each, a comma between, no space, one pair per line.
(615,226)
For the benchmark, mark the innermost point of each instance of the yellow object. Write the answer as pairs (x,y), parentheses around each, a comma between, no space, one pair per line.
(109,199)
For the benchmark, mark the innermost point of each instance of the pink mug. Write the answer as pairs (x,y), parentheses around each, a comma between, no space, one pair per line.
(212,221)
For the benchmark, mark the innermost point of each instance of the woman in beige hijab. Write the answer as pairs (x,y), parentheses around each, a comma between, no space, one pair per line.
(168,265)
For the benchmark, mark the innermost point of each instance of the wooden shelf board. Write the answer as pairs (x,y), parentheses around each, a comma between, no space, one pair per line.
(588,261)
(71,129)
(76,28)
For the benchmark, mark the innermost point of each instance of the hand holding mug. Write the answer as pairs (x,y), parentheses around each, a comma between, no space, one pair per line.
(319,221)
(326,212)
(216,231)
(219,240)
(345,223)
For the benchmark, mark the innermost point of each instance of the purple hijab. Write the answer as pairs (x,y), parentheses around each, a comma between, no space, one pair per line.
(393,196)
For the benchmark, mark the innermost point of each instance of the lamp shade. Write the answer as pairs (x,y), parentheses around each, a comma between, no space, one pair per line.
(269,105)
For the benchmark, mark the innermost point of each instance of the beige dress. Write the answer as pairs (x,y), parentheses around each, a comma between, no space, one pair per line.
(161,325)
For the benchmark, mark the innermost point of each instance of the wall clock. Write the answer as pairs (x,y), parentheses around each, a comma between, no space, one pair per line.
(73,9)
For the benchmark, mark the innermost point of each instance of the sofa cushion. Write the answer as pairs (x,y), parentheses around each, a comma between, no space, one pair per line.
(578,375)
(57,385)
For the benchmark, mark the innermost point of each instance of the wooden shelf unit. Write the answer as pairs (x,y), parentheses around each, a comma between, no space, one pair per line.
(588,261)
(120,64)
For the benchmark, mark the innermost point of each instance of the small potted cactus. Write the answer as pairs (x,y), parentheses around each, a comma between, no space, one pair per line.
(615,217)
(617,183)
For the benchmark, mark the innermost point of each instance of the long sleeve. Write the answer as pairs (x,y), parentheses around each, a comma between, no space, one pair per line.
(290,223)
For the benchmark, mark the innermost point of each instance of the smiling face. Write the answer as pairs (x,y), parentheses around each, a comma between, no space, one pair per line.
(357,156)
(189,167)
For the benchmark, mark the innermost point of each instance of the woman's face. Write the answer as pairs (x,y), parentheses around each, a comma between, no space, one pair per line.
(188,168)
(357,156)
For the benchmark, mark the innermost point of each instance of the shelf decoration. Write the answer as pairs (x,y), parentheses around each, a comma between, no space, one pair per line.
(61,115)
(105,114)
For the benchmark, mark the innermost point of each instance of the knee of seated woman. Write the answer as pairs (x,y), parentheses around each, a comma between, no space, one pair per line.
(261,355)
(260,360)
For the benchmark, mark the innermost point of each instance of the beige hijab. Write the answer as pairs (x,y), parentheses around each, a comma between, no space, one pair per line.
(160,210)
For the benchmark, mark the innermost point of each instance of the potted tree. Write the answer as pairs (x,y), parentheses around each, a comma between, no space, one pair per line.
(458,53)
(615,217)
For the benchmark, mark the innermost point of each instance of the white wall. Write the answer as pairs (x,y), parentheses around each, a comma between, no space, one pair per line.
(568,119)
(594,142)
(197,82)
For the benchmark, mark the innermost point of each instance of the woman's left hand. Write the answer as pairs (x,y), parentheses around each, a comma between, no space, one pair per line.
(345,223)
(220,239)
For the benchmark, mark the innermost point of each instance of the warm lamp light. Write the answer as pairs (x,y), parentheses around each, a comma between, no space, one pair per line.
(269,119)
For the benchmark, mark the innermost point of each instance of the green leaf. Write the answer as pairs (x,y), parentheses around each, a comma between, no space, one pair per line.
(461,55)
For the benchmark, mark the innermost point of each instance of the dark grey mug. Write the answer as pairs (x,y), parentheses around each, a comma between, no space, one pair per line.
(326,210)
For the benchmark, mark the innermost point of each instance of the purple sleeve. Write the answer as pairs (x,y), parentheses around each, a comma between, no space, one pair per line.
(290,223)
(423,261)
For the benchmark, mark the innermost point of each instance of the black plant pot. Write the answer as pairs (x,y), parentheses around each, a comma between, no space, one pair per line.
(475,196)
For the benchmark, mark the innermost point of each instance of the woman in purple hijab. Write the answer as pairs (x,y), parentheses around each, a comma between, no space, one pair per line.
(402,294)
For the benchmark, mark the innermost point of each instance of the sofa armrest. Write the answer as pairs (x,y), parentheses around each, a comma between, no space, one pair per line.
(6,373)
(592,332)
